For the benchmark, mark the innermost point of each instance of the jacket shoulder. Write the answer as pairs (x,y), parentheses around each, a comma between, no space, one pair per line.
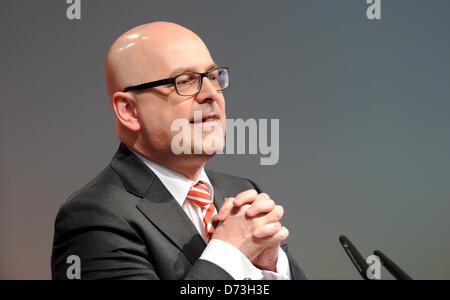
(104,200)
(227,181)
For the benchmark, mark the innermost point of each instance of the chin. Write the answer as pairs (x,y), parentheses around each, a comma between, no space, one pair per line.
(209,150)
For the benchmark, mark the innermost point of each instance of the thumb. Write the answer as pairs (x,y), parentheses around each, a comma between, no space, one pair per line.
(225,210)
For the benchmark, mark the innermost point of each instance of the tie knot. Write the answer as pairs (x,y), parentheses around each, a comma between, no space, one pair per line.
(199,195)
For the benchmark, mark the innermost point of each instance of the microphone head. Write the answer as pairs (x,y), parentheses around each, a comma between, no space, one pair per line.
(395,270)
(355,256)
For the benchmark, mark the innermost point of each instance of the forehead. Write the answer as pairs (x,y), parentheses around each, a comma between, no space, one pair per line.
(156,52)
(179,56)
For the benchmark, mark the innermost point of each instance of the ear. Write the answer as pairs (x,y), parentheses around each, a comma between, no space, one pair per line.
(124,105)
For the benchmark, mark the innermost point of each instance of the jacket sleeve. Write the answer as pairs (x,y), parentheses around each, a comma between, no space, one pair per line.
(108,248)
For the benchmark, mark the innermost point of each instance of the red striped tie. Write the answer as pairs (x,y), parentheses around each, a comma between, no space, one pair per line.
(199,195)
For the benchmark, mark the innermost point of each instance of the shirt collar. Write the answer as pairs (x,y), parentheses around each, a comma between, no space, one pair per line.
(177,184)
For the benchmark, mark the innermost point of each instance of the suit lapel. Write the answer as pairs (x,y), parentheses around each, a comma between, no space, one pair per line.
(165,213)
(157,204)
(218,193)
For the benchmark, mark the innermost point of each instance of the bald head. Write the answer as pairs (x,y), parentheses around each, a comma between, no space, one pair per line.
(150,52)
(145,118)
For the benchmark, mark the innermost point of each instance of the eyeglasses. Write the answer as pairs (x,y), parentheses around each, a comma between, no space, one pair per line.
(189,83)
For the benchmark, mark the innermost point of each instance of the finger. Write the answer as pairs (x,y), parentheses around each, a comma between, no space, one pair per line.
(267,230)
(215,221)
(282,234)
(247,196)
(263,204)
(275,239)
(274,216)
(225,210)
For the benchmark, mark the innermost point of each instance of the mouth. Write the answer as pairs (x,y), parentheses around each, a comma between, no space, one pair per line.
(205,119)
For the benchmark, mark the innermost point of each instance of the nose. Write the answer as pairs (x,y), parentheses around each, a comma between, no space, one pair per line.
(207,91)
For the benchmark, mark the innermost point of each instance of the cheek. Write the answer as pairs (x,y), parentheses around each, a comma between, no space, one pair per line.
(154,120)
(181,111)
(222,108)
(148,116)
(160,121)
(220,102)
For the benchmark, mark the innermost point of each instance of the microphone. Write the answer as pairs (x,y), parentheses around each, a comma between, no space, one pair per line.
(395,270)
(357,259)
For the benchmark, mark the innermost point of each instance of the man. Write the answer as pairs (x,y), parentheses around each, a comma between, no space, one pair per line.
(155,213)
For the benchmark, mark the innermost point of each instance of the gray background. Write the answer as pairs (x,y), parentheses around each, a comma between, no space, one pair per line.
(363,108)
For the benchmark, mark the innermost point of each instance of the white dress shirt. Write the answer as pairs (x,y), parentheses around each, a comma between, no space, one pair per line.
(217,251)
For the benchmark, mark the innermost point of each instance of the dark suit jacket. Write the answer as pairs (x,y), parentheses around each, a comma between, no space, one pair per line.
(125,224)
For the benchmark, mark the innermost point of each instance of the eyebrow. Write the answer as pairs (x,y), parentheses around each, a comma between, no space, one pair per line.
(190,69)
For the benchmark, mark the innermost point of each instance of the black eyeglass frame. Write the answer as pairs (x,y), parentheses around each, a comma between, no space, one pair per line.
(172,80)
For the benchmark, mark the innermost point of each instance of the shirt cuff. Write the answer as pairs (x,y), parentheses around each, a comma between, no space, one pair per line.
(239,266)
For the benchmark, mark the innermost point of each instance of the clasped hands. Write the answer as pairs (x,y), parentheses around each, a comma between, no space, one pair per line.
(251,223)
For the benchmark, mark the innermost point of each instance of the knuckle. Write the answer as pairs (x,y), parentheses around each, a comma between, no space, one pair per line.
(246,206)
(285,233)
(275,228)
(264,196)
(251,193)
(280,237)
(246,196)
(280,210)
(256,233)
(270,203)
(276,214)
